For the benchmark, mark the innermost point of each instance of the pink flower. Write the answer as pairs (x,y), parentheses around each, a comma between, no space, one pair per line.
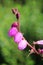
(40,42)
(12,32)
(18,37)
(15,24)
(22,44)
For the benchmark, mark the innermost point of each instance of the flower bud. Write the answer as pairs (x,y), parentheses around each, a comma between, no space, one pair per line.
(18,15)
(15,24)
(14,10)
(40,51)
(12,32)
(22,44)
(18,37)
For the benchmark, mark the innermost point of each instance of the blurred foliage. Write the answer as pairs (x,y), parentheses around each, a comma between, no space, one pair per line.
(31,21)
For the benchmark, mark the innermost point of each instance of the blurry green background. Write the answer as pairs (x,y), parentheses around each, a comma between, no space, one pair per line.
(31,24)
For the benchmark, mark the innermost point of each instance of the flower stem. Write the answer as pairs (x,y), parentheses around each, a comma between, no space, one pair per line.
(33,48)
(18,25)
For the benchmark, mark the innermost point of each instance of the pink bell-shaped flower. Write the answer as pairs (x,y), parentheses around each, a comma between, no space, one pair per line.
(12,32)
(40,42)
(22,44)
(18,37)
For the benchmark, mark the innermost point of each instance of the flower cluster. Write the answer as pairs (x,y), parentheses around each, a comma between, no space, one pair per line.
(19,38)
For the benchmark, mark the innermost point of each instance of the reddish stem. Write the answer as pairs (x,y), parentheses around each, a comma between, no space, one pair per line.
(33,48)
(18,25)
